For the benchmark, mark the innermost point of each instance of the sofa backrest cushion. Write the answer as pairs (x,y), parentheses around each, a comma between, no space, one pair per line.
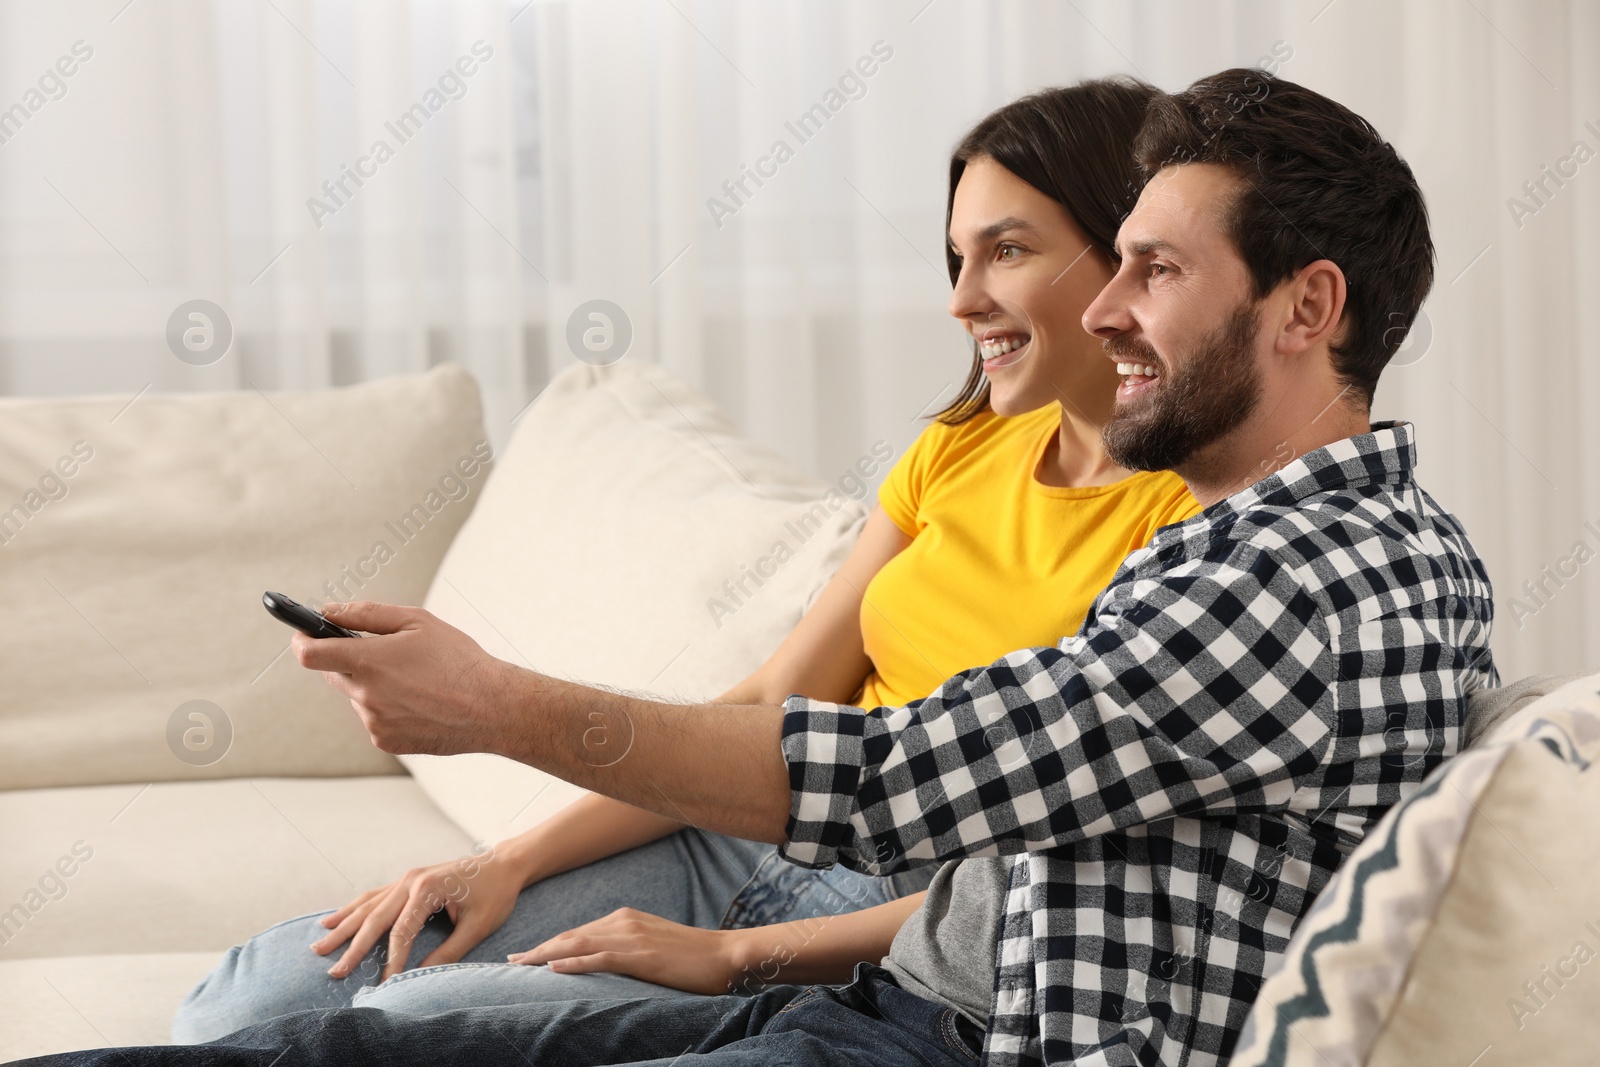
(136,539)
(1488,708)
(630,536)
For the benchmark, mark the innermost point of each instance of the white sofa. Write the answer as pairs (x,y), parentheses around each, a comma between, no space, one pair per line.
(628,535)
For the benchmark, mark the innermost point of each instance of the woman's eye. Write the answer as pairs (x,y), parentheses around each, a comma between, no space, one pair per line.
(1004,249)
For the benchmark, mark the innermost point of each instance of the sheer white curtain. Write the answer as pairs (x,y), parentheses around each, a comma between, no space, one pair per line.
(628,150)
(206,150)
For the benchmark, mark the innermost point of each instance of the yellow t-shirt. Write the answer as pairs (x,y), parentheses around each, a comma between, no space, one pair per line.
(998,560)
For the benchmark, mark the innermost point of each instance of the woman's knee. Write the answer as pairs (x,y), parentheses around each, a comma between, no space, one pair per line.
(424,990)
(272,974)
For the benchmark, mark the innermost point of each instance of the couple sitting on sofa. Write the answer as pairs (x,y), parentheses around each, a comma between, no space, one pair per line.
(1129,822)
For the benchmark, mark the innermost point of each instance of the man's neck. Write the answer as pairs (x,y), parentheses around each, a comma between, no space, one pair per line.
(1271,441)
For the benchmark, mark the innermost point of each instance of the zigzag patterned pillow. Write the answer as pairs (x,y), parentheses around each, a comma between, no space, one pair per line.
(1461,931)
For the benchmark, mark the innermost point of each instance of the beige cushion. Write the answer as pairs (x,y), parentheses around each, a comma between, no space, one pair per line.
(138,589)
(1418,949)
(1521,908)
(600,551)
(195,866)
(78,1002)
(1488,708)
(1568,701)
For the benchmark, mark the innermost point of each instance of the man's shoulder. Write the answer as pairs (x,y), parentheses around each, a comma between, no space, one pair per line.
(1371,548)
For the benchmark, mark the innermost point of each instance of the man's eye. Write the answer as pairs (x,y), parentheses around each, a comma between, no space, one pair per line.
(1159,269)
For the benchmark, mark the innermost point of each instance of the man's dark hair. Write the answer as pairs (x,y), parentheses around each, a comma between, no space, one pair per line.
(1074,145)
(1316,182)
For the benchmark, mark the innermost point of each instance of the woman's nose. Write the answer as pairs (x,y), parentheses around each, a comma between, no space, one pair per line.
(968,299)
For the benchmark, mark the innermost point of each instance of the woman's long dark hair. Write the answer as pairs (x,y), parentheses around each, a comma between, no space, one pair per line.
(1074,145)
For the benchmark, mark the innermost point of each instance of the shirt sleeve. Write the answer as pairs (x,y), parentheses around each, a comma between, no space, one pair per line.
(900,494)
(1206,688)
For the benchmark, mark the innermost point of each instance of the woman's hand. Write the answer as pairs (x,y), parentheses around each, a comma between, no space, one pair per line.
(823,949)
(477,892)
(646,947)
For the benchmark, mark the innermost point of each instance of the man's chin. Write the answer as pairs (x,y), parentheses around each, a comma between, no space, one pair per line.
(1127,409)
(1132,443)
(1130,420)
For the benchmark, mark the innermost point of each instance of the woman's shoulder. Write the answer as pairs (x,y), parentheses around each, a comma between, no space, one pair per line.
(1163,495)
(956,457)
(985,429)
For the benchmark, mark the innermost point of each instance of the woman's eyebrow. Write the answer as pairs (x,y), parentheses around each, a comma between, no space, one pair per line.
(1009,224)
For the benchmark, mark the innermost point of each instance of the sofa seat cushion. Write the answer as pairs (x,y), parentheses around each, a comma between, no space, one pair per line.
(66,1003)
(200,866)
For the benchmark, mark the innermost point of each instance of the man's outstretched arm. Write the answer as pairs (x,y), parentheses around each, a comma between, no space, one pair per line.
(717,766)
(1207,688)
(422,686)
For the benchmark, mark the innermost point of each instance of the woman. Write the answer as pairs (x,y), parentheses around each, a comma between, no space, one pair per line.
(993,532)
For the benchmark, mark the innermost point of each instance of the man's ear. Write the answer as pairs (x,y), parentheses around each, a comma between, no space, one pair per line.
(1315,309)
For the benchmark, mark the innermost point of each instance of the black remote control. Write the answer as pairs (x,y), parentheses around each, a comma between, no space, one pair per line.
(302,618)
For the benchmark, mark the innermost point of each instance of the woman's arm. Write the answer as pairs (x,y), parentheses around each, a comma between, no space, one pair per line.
(817,951)
(823,656)
(652,949)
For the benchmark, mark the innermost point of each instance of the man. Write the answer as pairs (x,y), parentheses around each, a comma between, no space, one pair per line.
(1175,783)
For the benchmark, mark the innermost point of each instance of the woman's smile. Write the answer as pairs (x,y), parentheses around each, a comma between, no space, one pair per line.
(1002,349)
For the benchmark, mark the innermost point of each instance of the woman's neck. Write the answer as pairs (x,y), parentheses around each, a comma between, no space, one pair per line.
(1076,457)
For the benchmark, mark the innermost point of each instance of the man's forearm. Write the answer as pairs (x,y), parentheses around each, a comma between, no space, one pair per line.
(716,766)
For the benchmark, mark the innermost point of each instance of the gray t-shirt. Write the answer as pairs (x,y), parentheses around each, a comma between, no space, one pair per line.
(945,951)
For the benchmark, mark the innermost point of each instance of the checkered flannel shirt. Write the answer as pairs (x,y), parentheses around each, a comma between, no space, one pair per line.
(1178,780)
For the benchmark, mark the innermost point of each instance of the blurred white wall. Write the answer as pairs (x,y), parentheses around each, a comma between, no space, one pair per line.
(576,163)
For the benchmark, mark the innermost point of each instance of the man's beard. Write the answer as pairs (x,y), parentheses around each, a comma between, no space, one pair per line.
(1216,389)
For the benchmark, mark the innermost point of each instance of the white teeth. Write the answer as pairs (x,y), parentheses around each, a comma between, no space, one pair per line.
(1137,368)
(991,349)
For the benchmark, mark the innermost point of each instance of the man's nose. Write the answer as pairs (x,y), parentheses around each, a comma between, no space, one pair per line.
(1109,314)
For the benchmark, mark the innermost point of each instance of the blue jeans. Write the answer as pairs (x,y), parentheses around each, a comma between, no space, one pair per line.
(871,1021)
(692,877)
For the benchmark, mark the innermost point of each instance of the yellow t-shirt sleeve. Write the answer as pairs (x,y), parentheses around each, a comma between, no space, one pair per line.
(901,493)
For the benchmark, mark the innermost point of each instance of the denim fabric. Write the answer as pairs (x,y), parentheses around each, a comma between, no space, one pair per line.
(688,877)
(486,985)
(697,878)
(871,1021)
(780,892)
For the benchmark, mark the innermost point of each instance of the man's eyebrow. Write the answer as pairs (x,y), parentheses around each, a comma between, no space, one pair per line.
(1145,246)
(1009,224)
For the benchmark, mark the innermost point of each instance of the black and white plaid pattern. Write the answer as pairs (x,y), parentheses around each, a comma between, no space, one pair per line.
(1249,695)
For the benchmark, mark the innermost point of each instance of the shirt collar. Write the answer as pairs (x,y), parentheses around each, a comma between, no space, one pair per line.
(1384,456)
